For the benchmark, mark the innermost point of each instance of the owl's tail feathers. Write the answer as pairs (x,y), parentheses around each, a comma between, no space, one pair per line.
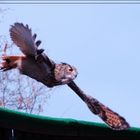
(9,62)
(111,118)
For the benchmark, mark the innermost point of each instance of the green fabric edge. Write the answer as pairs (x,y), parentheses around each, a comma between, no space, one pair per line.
(59,126)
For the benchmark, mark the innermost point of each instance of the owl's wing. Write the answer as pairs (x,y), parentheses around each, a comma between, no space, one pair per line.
(22,36)
(111,118)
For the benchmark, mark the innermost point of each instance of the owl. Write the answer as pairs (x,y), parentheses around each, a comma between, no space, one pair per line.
(33,62)
(37,65)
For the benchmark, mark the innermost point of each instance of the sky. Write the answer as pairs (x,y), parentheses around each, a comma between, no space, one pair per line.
(101,40)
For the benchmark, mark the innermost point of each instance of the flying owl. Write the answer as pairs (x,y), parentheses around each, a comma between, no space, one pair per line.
(37,65)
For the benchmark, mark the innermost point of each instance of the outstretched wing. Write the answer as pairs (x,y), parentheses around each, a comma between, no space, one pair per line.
(22,36)
(111,118)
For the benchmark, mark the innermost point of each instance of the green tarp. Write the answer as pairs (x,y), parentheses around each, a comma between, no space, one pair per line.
(59,128)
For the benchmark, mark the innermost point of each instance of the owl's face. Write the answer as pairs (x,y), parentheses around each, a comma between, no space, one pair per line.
(65,73)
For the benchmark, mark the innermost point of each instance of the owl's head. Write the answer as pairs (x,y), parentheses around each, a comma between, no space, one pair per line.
(65,73)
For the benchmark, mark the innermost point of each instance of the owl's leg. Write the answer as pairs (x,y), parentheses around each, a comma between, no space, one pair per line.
(6,64)
(9,62)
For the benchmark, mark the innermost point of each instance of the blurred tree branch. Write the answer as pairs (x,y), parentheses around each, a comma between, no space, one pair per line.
(20,92)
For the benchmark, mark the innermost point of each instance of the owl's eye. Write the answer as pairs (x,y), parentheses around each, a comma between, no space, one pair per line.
(70,69)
